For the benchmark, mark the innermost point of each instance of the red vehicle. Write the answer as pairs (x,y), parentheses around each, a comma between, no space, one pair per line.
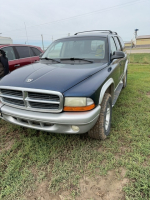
(19,55)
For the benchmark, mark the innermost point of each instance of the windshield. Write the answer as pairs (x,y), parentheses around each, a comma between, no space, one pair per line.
(94,48)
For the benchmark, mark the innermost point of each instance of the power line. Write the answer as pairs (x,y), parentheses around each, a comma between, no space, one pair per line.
(93,12)
(50,34)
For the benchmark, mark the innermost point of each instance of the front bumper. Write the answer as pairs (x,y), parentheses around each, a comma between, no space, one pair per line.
(52,122)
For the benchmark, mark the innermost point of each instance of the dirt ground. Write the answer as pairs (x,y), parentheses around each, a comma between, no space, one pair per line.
(109,187)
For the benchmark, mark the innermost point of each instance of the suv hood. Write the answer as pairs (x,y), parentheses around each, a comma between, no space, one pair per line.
(56,77)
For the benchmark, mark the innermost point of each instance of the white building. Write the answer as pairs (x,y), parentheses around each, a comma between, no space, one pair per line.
(5,40)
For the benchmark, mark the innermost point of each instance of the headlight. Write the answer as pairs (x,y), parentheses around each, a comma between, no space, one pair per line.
(78,104)
(75,101)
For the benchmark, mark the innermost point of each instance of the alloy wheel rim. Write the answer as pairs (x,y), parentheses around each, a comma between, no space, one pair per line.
(125,79)
(107,118)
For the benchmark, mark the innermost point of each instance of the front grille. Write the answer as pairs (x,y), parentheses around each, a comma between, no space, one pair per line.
(14,93)
(40,96)
(43,105)
(32,99)
(13,101)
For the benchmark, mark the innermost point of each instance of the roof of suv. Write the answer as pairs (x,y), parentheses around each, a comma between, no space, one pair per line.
(103,33)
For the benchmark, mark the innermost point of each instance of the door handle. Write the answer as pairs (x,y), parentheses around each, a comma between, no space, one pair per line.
(18,65)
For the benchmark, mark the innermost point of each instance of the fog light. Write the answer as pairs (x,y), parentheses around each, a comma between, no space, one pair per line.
(75,128)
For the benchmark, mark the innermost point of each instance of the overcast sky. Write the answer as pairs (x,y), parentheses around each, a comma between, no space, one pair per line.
(57,18)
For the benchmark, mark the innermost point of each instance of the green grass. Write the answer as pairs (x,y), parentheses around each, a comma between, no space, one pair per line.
(140,58)
(29,157)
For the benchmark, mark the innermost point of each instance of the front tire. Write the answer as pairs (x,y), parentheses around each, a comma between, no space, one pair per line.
(102,127)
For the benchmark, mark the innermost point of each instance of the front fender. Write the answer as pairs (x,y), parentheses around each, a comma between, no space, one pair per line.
(92,86)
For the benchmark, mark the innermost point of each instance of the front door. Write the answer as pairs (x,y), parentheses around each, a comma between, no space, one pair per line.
(122,60)
(115,64)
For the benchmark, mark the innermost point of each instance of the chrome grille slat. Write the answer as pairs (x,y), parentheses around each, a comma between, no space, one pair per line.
(11,97)
(41,101)
(32,99)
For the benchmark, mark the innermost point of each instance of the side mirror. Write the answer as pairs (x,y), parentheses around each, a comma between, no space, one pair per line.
(117,55)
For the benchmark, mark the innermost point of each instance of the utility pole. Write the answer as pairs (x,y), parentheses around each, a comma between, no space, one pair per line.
(42,41)
(26,33)
(52,38)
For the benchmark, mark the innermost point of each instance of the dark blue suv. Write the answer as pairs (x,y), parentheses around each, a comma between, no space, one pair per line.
(72,89)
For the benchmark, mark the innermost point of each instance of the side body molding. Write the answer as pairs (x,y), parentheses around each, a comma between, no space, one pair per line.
(105,87)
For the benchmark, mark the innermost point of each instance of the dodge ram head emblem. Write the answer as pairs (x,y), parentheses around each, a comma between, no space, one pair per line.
(29,80)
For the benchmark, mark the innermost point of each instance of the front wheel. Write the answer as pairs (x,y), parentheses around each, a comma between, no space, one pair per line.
(102,127)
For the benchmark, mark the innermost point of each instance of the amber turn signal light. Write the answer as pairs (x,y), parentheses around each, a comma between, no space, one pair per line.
(82,108)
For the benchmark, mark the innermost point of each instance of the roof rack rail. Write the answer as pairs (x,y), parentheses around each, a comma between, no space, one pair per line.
(96,30)
(115,33)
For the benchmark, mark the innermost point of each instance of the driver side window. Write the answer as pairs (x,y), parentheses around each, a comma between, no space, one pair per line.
(113,46)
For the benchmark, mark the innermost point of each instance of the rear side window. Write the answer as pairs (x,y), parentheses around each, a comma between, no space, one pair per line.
(118,44)
(24,52)
(36,51)
(9,53)
(113,46)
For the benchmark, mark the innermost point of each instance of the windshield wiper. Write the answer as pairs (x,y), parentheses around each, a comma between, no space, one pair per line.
(77,59)
(50,59)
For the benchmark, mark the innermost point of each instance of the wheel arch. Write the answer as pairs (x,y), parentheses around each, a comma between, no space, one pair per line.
(108,87)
